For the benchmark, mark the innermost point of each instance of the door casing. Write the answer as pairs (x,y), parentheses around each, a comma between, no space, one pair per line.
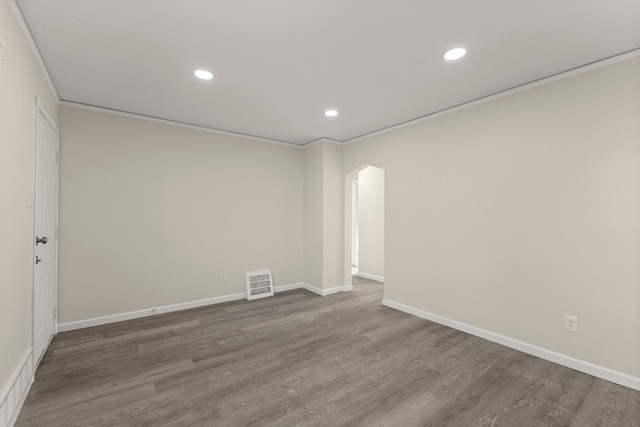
(44,302)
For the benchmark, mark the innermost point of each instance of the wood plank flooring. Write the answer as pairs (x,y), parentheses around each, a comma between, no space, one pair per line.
(297,359)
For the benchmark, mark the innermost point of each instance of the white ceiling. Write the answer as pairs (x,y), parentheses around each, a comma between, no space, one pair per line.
(279,64)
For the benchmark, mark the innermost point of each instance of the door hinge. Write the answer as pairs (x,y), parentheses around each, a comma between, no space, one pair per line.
(55,312)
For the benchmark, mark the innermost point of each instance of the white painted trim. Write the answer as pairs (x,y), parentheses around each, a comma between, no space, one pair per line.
(370,276)
(347,288)
(543,81)
(320,140)
(15,391)
(112,318)
(103,320)
(175,123)
(34,47)
(329,291)
(40,109)
(317,291)
(312,288)
(543,353)
(290,287)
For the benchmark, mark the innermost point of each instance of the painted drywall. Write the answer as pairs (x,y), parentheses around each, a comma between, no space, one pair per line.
(21,83)
(151,214)
(323,216)
(333,216)
(371,221)
(508,215)
(313,214)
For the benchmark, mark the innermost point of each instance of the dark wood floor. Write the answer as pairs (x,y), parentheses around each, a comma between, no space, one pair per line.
(299,359)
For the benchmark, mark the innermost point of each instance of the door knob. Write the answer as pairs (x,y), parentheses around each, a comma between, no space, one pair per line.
(42,240)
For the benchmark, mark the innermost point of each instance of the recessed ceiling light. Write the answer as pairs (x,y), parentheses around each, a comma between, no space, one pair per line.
(203,74)
(455,53)
(331,113)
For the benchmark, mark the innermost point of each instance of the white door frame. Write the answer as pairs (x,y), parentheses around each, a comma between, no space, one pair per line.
(348,221)
(354,222)
(53,240)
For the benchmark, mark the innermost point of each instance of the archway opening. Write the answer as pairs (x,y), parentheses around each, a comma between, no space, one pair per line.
(364,224)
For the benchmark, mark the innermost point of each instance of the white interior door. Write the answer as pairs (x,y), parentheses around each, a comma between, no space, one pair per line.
(46,230)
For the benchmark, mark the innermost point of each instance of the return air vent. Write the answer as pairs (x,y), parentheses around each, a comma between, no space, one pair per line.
(259,284)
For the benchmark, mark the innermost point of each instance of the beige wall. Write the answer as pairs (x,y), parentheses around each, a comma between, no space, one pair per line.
(151,214)
(333,215)
(509,215)
(371,221)
(323,216)
(22,82)
(313,215)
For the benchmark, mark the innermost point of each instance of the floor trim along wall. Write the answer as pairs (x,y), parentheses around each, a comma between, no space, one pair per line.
(290,287)
(14,394)
(329,291)
(370,276)
(103,320)
(561,359)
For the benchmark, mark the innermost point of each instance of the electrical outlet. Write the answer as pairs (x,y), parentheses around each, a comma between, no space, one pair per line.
(223,276)
(571,323)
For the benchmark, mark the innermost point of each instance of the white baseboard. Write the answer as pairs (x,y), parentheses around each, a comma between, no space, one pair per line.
(313,289)
(343,288)
(347,288)
(370,276)
(543,353)
(103,320)
(15,391)
(317,291)
(329,291)
(290,287)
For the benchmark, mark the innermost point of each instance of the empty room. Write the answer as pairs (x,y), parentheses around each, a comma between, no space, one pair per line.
(336,213)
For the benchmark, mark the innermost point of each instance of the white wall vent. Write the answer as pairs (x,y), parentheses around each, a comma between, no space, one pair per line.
(259,284)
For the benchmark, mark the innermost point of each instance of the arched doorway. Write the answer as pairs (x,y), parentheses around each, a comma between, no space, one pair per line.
(364,223)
